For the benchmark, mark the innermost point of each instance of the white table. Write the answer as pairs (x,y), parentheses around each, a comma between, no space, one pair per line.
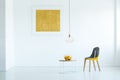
(64,61)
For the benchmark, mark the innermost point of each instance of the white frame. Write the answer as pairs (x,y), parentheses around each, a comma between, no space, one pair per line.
(47,7)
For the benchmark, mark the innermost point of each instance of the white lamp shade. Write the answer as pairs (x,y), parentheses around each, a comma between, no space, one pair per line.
(69,39)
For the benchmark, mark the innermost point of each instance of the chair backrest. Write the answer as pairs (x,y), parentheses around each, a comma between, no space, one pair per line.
(95,52)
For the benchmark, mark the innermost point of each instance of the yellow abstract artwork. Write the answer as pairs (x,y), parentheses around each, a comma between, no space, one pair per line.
(47,20)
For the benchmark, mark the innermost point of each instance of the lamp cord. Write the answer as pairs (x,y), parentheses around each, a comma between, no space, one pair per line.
(69,17)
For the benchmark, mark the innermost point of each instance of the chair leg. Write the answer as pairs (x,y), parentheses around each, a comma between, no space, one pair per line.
(89,65)
(98,65)
(84,65)
(94,65)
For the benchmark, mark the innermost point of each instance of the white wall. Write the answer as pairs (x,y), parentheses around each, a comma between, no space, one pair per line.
(2,35)
(92,24)
(9,34)
(118,32)
(6,35)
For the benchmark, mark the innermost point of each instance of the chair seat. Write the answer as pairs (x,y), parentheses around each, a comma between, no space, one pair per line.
(90,58)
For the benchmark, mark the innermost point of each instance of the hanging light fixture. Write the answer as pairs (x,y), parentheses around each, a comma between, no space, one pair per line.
(69,37)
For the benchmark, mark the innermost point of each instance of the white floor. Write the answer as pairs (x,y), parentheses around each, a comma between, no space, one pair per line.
(55,73)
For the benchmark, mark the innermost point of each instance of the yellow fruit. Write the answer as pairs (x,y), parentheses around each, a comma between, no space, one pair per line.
(67,58)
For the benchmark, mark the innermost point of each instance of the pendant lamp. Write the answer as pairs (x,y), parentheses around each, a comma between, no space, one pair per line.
(69,37)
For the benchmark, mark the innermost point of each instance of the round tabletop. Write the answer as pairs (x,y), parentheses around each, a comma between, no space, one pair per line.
(67,61)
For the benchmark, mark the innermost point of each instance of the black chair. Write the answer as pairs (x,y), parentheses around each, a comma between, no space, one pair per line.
(94,57)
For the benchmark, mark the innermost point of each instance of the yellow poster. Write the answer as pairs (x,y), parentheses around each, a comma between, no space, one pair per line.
(47,20)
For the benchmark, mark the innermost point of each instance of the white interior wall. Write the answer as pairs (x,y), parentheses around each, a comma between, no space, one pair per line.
(92,24)
(118,31)
(2,35)
(9,34)
(95,27)
(6,35)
